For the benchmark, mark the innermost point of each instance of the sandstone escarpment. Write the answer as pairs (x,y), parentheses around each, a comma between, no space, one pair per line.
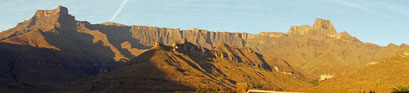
(108,45)
(323,27)
(299,30)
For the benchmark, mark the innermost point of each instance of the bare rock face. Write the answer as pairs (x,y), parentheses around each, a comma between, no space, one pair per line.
(183,46)
(299,30)
(43,20)
(53,16)
(58,17)
(48,49)
(322,26)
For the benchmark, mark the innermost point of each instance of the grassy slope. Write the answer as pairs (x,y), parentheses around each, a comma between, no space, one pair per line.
(381,77)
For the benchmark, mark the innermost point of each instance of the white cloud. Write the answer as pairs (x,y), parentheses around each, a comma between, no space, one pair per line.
(119,10)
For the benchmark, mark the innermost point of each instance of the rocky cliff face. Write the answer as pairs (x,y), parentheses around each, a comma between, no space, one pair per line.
(311,48)
(48,49)
(58,17)
(299,30)
(44,20)
(323,27)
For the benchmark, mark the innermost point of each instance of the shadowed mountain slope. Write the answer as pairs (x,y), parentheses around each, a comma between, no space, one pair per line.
(185,66)
(27,68)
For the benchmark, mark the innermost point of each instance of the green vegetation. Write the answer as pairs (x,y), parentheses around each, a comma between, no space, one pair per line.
(315,82)
(401,88)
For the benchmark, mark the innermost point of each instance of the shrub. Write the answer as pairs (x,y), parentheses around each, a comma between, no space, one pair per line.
(315,82)
(401,89)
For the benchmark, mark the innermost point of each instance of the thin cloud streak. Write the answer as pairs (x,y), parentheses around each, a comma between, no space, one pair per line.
(395,7)
(119,10)
(357,6)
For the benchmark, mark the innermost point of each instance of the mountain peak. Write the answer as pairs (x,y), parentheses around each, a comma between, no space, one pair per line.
(299,30)
(320,27)
(60,10)
(392,45)
(223,47)
(404,45)
(324,26)
(184,46)
(323,23)
(57,17)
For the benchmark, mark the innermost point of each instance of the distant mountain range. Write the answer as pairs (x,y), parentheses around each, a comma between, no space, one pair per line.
(53,49)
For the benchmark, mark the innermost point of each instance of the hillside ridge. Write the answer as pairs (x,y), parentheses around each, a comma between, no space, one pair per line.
(54,38)
(186,66)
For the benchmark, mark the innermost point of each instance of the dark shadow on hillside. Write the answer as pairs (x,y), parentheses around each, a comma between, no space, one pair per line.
(118,35)
(265,64)
(80,44)
(139,76)
(32,69)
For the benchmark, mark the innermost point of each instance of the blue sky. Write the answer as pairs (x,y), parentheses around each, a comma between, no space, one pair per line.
(375,21)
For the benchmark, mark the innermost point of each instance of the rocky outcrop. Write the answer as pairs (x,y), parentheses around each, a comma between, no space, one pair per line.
(299,30)
(323,27)
(58,17)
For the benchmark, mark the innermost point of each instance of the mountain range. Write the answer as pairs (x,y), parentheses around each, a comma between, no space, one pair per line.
(52,48)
